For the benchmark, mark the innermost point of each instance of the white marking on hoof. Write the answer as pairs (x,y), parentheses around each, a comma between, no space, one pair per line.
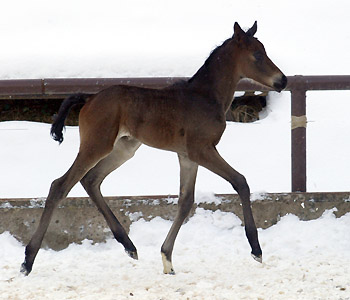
(257,258)
(167,265)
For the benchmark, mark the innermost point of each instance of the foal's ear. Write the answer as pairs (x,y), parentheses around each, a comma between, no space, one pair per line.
(253,29)
(239,34)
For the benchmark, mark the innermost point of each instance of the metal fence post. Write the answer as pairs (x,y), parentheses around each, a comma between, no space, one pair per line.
(298,127)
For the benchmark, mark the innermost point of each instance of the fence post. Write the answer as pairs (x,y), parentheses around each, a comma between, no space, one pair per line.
(298,134)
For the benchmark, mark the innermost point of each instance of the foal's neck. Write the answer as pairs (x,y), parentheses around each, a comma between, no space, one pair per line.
(218,76)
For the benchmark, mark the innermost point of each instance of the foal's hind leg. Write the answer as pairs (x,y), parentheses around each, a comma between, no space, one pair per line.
(123,150)
(188,174)
(60,188)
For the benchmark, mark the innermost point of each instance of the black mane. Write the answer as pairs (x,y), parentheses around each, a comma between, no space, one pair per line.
(213,55)
(214,52)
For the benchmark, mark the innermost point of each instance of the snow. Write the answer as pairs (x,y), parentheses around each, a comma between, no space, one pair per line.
(302,259)
(85,38)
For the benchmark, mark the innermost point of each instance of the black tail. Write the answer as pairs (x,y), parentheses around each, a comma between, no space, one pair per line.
(58,124)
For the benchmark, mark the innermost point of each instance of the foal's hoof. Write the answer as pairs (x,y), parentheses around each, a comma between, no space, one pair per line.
(258,258)
(25,270)
(132,254)
(167,265)
(170,272)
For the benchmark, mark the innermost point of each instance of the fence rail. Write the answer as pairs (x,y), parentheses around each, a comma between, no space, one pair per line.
(62,87)
(298,86)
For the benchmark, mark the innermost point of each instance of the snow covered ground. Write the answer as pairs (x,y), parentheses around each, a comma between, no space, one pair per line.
(302,260)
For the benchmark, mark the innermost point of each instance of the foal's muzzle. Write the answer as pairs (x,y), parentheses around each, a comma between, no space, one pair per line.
(281,84)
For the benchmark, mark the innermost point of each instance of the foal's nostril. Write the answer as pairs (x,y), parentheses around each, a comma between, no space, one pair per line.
(281,84)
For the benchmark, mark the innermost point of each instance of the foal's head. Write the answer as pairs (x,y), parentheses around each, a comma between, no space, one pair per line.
(253,61)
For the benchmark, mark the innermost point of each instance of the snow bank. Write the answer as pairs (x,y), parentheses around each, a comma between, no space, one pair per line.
(85,38)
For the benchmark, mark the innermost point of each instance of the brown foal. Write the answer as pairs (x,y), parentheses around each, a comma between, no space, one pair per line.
(187,118)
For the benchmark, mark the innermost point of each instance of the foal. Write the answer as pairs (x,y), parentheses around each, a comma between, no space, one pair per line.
(187,118)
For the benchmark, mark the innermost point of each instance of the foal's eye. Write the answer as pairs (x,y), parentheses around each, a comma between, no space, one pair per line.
(258,55)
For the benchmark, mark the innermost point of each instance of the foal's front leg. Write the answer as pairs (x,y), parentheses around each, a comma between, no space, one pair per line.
(188,174)
(209,158)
